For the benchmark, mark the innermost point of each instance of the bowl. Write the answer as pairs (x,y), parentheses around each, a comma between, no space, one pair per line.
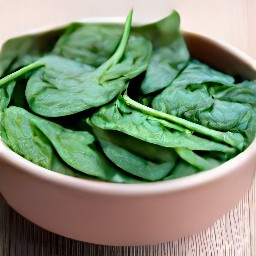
(133,214)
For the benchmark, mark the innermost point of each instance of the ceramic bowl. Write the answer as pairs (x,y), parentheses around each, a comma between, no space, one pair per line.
(122,214)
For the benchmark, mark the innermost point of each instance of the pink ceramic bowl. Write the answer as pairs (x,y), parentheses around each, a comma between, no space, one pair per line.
(121,214)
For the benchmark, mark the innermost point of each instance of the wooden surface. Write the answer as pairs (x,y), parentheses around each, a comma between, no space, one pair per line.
(232,235)
(230,20)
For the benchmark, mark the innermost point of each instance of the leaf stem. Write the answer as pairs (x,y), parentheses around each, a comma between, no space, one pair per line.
(174,126)
(114,59)
(234,139)
(194,159)
(21,72)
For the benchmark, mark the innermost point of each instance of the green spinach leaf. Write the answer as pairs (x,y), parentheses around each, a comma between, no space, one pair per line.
(58,95)
(6,92)
(148,161)
(27,140)
(22,51)
(199,162)
(182,169)
(120,117)
(77,149)
(94,43)
(6,95)
(200,119)
(170,54)
(234,139)
(89,43)
(242,93)
(203,95)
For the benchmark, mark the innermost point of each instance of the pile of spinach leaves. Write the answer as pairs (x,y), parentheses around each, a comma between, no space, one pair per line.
(121,103)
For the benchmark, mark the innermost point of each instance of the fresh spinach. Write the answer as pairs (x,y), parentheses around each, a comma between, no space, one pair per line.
(192,158)
(142,159)
(182,169)
(37,139)
(6,95)
(170,53)
(242,93)
(22,51)
(203,95)
(234,139)
(120,117)
(24,138)
(121,105)
(6,92)
(92,44)
(59,95)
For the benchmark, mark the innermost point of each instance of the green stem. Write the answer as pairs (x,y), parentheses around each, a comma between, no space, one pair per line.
(174,126)
(21,72)
(234,139)
(114,59)
(194,159)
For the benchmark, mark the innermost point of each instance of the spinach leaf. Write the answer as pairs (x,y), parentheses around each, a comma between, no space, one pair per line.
(146,150)
(199,106)
(91,44)
(75,148)
(198,95)
(59,95)
(57,86)
(200,118)
(142,159)
(199,162)
(6,92)
(234,139)
(134,164)
(24,138)
(194,77)
(127,152)
(67,70)
(22,51)
(94,43)
(182,169)
(58,98)
(242,93)
(120,117)
(6,95)
(197,72)
(170,54)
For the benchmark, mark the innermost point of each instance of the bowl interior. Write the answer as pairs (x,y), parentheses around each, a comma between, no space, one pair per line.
(221,56)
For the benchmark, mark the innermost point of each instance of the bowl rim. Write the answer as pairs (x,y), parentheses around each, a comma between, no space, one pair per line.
(143,189)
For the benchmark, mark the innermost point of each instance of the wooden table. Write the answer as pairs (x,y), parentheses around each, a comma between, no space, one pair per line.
(232,235)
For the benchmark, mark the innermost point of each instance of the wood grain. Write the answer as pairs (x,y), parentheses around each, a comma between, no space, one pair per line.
(232,235)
